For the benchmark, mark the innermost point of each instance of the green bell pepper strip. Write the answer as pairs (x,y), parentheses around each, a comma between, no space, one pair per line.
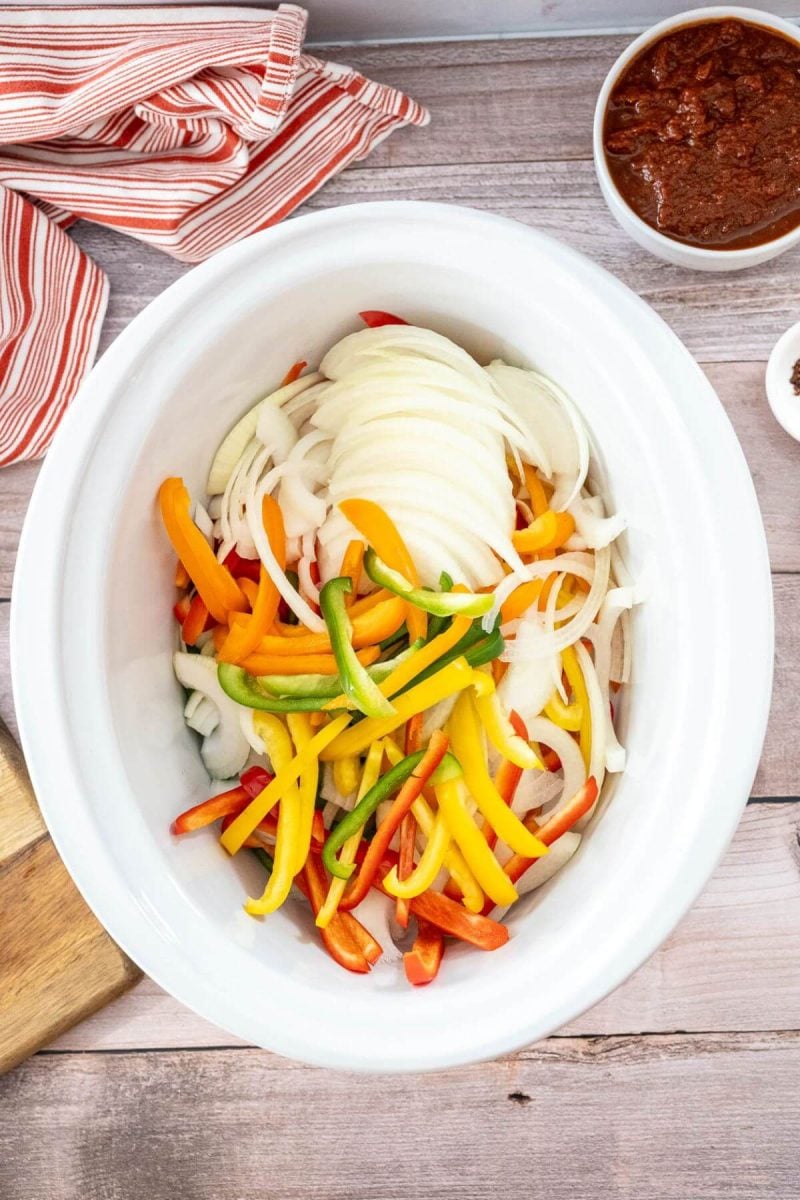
(327,686)
(356,682)
(437,625)
(265,859)
(476,646)
(440,604)
(354,821)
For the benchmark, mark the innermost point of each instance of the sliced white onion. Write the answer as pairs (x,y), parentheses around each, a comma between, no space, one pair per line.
(600,718)
(593,527)
(541,730)
(536,789)
(602,633)
(376,913)
(543,869)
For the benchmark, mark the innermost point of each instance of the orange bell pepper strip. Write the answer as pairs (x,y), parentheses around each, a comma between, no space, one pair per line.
(545,533)
(377,527)
(352,566)
(244,639)
(369,628)
(422,962)
(209,811)
(294,372)
(362,605)
(303,664)
(195,621)
(536,490)
(181,576)
(552,830)
(437,748)
(217,587)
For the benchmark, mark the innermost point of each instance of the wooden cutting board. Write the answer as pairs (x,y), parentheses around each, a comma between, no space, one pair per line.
(57,963)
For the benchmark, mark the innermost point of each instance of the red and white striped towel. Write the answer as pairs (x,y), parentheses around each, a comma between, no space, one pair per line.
(186,127)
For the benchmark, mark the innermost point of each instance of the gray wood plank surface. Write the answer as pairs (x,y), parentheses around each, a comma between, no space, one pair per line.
(732,964)
(673,1117)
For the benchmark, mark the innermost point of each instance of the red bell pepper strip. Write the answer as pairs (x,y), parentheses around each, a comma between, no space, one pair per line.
(423,960)
(336,936)
(293,373)
(226,804)
(243,568)
(254,780)
(374,318)
(508,776)
(552,830)
(367,944)
(401,804)
(454,919)
(180,610)
(195,621)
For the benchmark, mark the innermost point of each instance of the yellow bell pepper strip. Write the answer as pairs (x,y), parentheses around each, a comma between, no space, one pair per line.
(430,864)
(284,856)
(277,744)
(369,628)
(306,664)
(545,533)
(566,716)
(352,566)
(438,604)
(408,825)
(302,733)
(346,774)
(576,681)
(454,862)
(418,661)
(426,764)
(243,639)
(501,734)
(356,682)
(507,778)
(217,587)
(452,678)
(465,736)
(379,531)
(363,605)
(536,491)
(369,777)
(245,823)
(552,830)
(452,798)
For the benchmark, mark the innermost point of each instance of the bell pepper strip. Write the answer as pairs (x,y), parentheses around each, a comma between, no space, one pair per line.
(437,625)
(354,821)
(363,604)
(180,610)
(244,688)
(466,742)
(374,318)
(313,664)
(286,778)
(232,801)
(219,590)
(279,750)
(347,774)
(452,799)
(538,495)
(520,600)
(369,777)
(421,963)
(408,667)
(356,683)
(285,856)
(507,778)
(576,681)
(453,678)
(302,733)
(250,590)
(439,604)
(431,861)
(367,944)
(464,883)
(182,579)
(560,823)
(452,918)
(352,566)
(566,716)
(428,763)
(336,937)
(545,533)
(243,640)
(380,532)
(475,646)
(502,735)
(369,628)
(328,686)
(294,372)
(195,621)
(242,568)
(408,825)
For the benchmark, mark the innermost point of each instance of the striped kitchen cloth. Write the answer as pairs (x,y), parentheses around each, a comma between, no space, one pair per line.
(186,127)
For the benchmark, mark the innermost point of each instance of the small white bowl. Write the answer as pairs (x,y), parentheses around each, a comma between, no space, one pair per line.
(682,255)
(100,712)
(783,400)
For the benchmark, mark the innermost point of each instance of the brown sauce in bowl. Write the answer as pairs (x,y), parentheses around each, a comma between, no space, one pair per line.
(702,134)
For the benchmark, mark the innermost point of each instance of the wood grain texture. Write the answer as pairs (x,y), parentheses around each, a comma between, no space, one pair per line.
(674,1117)
(732,964)
(57,963)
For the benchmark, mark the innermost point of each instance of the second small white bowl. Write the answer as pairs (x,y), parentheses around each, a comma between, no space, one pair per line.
(697,257)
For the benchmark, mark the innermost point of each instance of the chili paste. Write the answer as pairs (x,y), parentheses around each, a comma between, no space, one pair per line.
(702,134)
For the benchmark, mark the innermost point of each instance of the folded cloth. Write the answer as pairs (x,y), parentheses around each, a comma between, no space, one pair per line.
(186,127)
